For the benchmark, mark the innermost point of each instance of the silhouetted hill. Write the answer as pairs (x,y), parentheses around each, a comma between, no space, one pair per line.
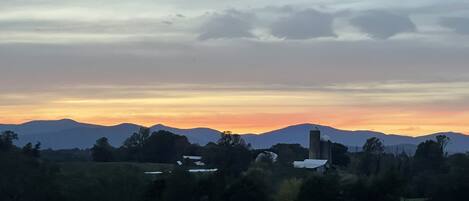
(81,137)
(44,126)
(67,133)
(300,133)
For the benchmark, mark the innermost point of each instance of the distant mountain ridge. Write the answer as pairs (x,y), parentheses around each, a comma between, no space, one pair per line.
(67,133)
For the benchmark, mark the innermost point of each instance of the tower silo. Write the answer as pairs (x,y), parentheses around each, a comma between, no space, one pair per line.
(314,144)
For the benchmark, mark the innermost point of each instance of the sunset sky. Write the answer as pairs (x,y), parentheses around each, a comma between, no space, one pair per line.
(399,67)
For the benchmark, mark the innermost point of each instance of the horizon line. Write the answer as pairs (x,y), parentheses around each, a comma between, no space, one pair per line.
(221,130)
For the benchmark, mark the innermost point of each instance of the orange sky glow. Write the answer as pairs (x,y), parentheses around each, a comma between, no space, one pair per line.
(249,111)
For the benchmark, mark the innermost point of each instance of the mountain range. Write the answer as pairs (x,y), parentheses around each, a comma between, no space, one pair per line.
(67,133)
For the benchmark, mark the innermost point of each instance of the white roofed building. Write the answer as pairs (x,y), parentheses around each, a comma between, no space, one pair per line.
(191,161)
(320,153)
(309,163)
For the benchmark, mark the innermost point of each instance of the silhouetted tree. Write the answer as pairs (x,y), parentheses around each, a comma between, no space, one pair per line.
(427,164)
(6,140)
(339,155)
(443,140)
(373,146)
(231,155)
(370,159)
(164,147)
(29,150)
(133,145)
(229,139)
(25,178)
(102,151)
(429,156)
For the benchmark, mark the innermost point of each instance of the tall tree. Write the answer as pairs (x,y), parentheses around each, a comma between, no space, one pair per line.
(6,140)
(443,140)
(231,154)
(164,147)
(134,144)
(429,156)
(227,138)
(370,159)
(102,151)
(23,177)
(137,139)
(373,146)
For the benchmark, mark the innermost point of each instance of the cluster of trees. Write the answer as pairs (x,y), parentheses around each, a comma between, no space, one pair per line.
(22,175)
(231,154)
(143,146)
(368,175)
(417,176)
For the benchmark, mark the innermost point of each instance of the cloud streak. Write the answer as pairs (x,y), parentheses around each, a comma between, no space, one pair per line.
(383,24)
(304,24)
(230,24)
(236,106)
(457,24)
(237,62)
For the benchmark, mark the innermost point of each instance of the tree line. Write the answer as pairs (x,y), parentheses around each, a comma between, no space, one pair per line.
(29,173)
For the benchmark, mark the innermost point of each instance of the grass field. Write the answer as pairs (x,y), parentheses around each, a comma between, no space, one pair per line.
(88,166)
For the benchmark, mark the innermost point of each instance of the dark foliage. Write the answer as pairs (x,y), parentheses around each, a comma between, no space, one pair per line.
(373,146)
(320,188)
(231,155)
(164,147)
(102,151)
(28,173)
(23,177)
(429,157)
(250,187)
(6,140)
(29,150)
(453,185)
(287,153)
(133,146)
(339,155)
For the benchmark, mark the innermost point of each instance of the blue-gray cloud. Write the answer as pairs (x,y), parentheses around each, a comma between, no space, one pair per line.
(381,24)
(457,24)
(231,24)
(304,25)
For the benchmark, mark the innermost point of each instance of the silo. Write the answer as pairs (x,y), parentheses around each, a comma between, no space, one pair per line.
(326,148)
(314,144)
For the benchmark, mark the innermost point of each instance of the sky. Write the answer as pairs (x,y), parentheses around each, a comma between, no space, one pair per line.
(399,67)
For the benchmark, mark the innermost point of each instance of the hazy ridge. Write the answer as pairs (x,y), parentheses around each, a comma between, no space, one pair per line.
(66,133)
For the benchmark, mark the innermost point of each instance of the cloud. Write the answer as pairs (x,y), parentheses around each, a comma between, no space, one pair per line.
(304,25)
(231,24)
(459,25)
(383,24)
